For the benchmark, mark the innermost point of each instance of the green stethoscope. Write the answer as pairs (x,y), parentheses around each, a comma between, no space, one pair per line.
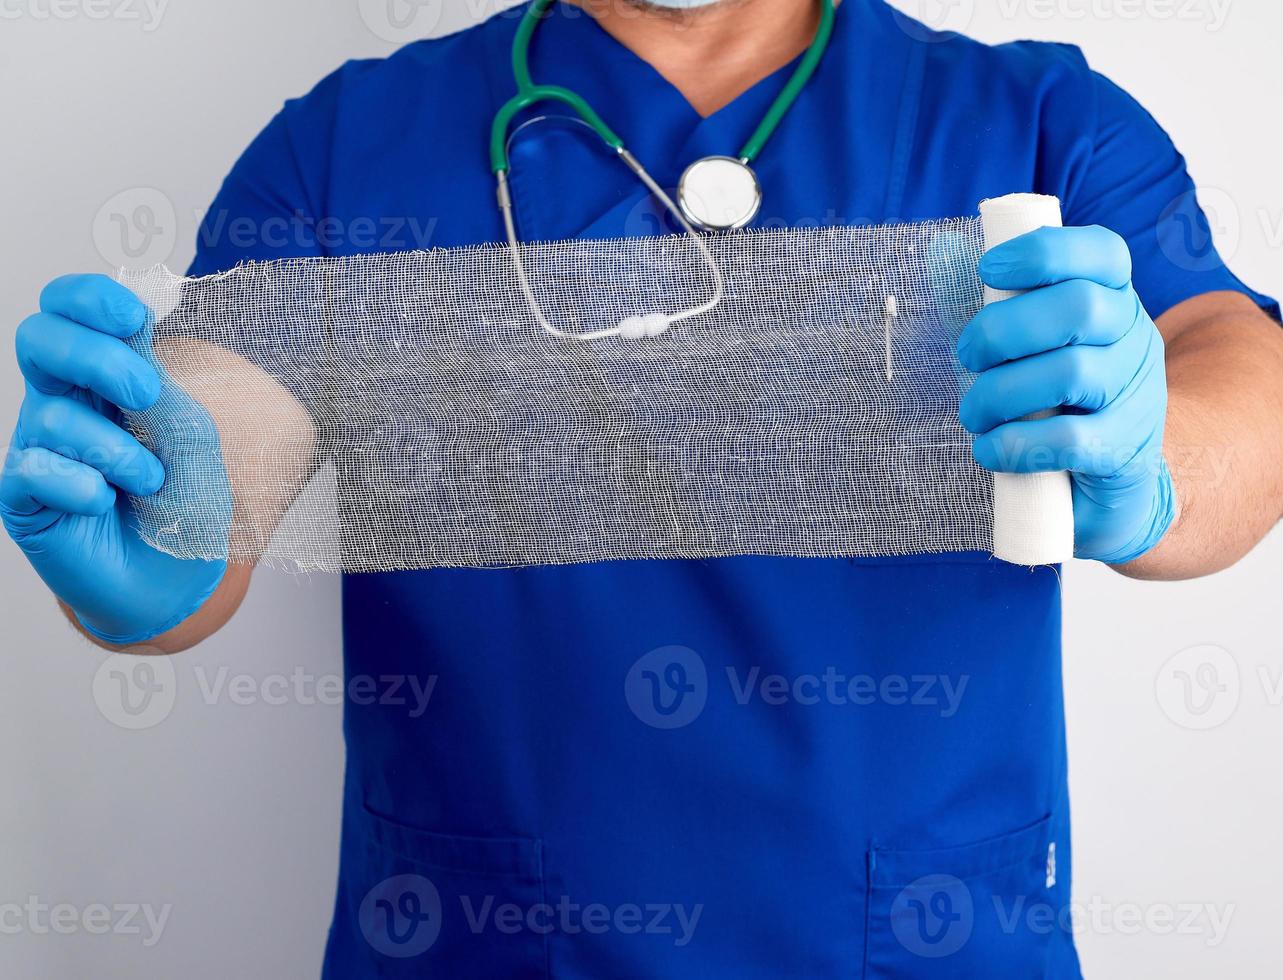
(716,193)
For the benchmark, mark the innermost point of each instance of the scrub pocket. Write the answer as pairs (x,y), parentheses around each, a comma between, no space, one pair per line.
(441,905)
(997,908)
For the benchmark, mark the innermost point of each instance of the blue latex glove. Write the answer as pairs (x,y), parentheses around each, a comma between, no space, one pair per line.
(1079,341)
(70,456)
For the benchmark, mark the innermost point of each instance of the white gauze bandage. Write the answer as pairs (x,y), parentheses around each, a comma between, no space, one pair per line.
(404,411)
(1033,512)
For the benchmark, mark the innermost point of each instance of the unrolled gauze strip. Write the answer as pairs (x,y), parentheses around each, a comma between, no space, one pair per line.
(1033,513)
(388,412)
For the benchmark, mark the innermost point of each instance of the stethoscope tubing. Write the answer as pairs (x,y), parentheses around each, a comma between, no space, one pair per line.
(529,94)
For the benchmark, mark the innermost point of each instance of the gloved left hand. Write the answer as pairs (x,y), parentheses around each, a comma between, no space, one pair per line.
(1079,341)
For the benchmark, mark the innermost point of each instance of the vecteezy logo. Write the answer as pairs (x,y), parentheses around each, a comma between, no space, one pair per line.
(668,687)
(650,219)
(399,21)
(400,917)
(933,916)
(134,692)
(136,228)
(1192,245)
(1198,688)
(934,20)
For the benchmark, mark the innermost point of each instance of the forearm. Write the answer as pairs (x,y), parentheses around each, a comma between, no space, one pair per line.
(212,616)
(1224,437)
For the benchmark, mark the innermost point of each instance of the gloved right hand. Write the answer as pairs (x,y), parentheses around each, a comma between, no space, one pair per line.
(70,456)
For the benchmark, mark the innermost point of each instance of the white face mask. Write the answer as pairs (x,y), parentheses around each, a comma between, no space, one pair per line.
(681,4)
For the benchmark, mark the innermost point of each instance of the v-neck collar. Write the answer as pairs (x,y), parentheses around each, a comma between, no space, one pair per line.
(628,91)
(858,113)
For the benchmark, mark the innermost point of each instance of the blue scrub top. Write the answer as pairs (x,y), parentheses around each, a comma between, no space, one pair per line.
(749,767)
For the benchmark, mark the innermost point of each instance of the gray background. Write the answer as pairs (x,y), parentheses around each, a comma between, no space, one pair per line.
(226,807)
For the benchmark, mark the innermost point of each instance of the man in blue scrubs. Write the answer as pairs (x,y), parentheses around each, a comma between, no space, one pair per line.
(749,767)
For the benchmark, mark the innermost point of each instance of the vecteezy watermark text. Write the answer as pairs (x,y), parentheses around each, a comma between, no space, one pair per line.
(385,233)
(39,918)
(569,918)
(403,916)
(669,687)
(136,693)
(836,688)
(147,13)
(1099,917)
(407,691)
(1211,14)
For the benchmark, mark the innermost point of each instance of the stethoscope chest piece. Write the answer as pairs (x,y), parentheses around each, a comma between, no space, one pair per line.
(719,194)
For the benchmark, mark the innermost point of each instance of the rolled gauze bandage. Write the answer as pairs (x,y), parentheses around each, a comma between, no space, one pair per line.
(1033,513)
